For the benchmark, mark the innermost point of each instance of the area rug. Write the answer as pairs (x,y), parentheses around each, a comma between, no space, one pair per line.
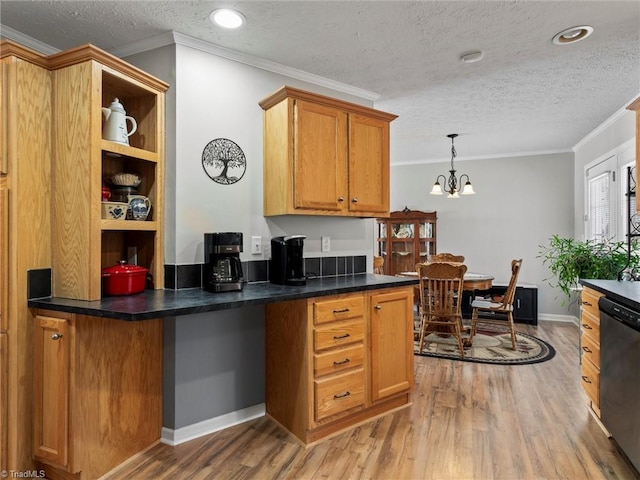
(490,345)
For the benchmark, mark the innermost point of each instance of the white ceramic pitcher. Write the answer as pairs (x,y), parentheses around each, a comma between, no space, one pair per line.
(115,125)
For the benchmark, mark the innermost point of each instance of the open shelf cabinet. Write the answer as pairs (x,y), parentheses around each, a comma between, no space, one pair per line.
(85,80)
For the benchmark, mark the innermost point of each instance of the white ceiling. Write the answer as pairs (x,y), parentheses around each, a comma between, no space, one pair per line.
(526,95)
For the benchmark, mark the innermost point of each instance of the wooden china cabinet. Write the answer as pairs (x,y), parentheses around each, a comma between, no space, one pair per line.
(405,238)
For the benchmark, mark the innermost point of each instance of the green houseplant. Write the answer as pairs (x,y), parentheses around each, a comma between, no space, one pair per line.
(570,259)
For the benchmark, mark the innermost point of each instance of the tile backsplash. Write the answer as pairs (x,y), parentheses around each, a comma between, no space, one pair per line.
(190,276)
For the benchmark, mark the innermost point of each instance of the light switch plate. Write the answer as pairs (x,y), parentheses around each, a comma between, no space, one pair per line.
(326,244)
(256,245)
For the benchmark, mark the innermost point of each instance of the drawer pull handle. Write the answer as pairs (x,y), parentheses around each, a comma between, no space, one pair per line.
(586,349)
(339,337)
(586,379)
(343,395)
(587,304)
(344,310)
(586,327)
(341,362)
(56,336)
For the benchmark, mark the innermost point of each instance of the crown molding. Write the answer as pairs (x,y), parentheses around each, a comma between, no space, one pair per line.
(483,157)
(26,40)
(604,125)
(169,38)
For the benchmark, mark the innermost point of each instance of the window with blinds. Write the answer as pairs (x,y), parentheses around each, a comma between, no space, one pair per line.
(599,207)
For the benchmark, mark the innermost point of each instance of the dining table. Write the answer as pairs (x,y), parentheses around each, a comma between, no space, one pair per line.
(472,281)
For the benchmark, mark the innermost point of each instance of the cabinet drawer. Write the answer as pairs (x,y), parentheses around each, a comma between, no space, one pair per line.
(340,309)
(339,393)
(337,334)
(337,360)
(591,382)
(590,326)
(590,350)
(589,299)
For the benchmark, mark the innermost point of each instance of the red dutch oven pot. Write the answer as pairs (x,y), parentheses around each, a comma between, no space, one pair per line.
(123,279)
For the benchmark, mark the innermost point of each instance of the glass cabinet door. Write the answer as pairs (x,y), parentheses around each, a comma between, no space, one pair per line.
(402,257)
(426,248)
(426,230)
(402,249)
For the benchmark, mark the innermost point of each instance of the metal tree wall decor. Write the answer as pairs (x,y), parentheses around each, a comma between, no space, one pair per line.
(224,161)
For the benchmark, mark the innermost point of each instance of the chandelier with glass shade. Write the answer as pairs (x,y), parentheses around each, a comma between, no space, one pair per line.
(452,183)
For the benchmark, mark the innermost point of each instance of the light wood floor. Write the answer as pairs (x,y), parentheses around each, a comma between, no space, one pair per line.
(467,421)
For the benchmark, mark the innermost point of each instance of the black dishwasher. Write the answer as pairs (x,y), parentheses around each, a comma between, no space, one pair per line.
(620,376)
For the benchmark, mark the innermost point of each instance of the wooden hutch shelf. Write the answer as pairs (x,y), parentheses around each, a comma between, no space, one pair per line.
(405,238)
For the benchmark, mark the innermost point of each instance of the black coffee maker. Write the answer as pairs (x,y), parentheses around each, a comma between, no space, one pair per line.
(222,267)
(287,264)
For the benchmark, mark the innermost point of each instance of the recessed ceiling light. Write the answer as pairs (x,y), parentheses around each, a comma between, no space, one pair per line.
(572,35)
(472,57)
(227,18)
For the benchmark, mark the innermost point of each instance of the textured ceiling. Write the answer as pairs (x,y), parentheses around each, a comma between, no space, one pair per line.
(526,95)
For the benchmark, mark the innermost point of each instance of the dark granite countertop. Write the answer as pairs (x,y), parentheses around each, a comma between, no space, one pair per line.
(626,293)
(172,303)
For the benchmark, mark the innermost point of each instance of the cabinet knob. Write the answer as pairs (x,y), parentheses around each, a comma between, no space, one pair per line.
(377,307)
(341,199)
(56,336)
(354,200)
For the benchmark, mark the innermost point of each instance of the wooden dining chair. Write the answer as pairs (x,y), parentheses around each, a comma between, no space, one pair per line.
(440,289)
(446,257)
(497,312)
(378,265)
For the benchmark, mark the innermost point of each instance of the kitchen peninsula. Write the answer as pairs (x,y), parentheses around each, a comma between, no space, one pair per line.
(347,340)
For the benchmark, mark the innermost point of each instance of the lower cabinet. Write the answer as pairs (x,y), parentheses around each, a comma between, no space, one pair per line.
(97,390)
(334,361)
(590,346)
(525,302)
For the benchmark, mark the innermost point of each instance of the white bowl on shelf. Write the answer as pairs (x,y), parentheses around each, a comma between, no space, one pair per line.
(114,210)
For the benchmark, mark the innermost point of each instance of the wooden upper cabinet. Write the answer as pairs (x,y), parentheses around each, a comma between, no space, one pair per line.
(324,156)
(635,105)
(368,165)
(320,133)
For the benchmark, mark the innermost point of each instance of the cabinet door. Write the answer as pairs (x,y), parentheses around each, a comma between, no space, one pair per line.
(51,391)
(391,343)
(4,114)
(525,308)
(4,254)
(320,157)
(368,164)
(3,401)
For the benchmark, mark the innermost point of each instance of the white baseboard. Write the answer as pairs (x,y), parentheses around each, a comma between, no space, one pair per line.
(551,317)
(184,434)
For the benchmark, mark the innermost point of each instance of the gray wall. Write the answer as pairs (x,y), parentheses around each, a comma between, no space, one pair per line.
(214,363)
(519,203)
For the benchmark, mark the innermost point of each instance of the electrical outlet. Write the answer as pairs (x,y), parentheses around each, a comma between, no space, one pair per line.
(326,244)
(256,245)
